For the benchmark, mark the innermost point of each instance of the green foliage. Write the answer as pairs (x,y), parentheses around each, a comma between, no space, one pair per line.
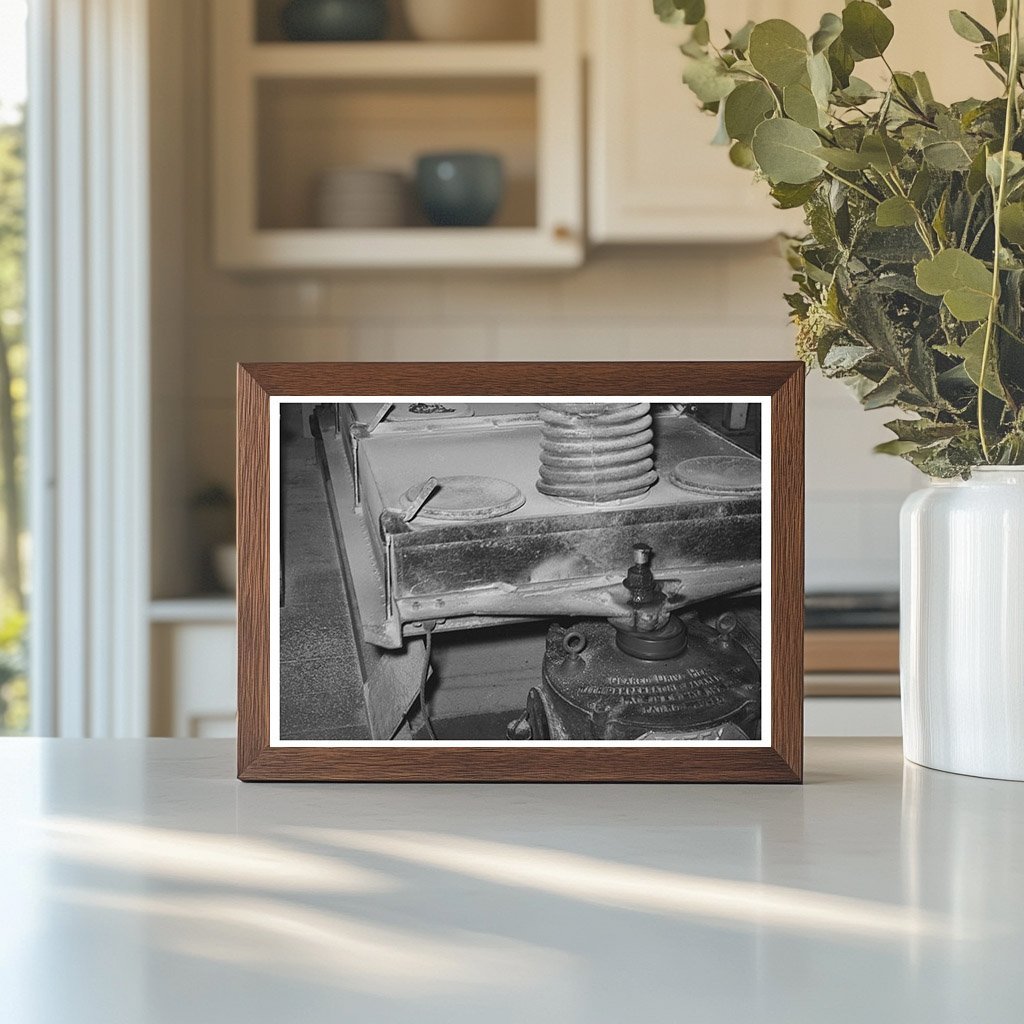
(14,709)
(904,289)
(785,152)
(13,414)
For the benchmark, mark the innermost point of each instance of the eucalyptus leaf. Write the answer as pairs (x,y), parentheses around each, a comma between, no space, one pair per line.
(789,197)
(906,87)
(721,136)
(708,80)
(745,108)
(1014,169)
(896,212)
(779,51)
(922,185)
(895,447)
(675,12)
(947,156)
(842,61)
(844,159)
(923,431)
(786,152)
(739,41)
(858,91)
(819,74)
(741,155)
(800,105)
(963,281)
(924,87)
(1012,225)
(866,29)
(976,178)
(972,353)
(884,395)
(883,153)
(969,28)
(830,29)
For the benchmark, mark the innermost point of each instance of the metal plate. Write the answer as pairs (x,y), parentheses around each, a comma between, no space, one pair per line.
(738,475)
(468,499)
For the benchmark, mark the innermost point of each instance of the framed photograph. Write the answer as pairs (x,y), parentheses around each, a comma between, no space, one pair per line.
(520,572)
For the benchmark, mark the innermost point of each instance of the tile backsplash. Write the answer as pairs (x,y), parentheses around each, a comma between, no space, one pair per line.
(699,303)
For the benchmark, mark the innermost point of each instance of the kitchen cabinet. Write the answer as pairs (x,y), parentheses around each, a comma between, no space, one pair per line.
(286,113)
(193,654)
(653,175)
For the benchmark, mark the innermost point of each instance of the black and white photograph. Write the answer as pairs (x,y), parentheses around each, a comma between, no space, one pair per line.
(488,571)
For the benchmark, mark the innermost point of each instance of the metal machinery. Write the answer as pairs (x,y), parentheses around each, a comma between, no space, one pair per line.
(631,535)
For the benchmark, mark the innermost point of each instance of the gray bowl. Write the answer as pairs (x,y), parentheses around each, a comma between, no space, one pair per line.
(334,20)
(461,190)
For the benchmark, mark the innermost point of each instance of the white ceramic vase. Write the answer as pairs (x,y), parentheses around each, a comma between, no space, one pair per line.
(962,624)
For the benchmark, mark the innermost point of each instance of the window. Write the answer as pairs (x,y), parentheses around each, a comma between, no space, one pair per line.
(14,547)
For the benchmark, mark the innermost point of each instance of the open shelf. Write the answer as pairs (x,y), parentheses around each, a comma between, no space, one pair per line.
(287,113)
(308,127)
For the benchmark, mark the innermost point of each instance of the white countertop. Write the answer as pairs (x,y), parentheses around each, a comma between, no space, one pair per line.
(140,884)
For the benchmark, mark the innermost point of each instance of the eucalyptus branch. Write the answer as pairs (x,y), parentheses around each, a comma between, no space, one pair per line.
(923,227)
(771,89)
(850,184)
(970,216)
(1000,200)
(868,291)
(981,231)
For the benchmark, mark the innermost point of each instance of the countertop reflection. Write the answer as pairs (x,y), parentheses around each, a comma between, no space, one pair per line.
(141,883)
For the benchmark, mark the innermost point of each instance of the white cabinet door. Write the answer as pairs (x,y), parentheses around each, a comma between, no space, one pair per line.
(653,175)
(193,679)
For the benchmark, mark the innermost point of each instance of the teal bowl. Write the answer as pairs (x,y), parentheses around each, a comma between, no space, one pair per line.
(334,21)
(460,190)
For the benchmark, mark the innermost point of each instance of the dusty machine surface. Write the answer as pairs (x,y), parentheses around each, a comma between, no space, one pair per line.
(628,535)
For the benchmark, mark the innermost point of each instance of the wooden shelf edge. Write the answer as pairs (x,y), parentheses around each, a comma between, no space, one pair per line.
(406,248)
(393,60)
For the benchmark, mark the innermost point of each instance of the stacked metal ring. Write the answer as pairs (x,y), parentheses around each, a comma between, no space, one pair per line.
(596,452)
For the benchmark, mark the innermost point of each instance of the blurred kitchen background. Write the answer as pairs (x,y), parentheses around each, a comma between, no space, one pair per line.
(290,220)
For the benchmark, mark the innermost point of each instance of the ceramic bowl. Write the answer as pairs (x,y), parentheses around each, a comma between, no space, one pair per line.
(357,197)
(460,189)
(334,20)
(470,20)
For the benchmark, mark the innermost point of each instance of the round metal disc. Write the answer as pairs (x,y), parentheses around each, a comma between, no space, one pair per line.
(468,498)
(716,475)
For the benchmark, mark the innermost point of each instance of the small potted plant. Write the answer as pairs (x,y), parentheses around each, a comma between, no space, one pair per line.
(908,288)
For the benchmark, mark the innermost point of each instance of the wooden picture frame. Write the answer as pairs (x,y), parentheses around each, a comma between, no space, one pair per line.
(780,759)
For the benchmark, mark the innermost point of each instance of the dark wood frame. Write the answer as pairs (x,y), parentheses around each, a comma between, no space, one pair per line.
(781,762)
